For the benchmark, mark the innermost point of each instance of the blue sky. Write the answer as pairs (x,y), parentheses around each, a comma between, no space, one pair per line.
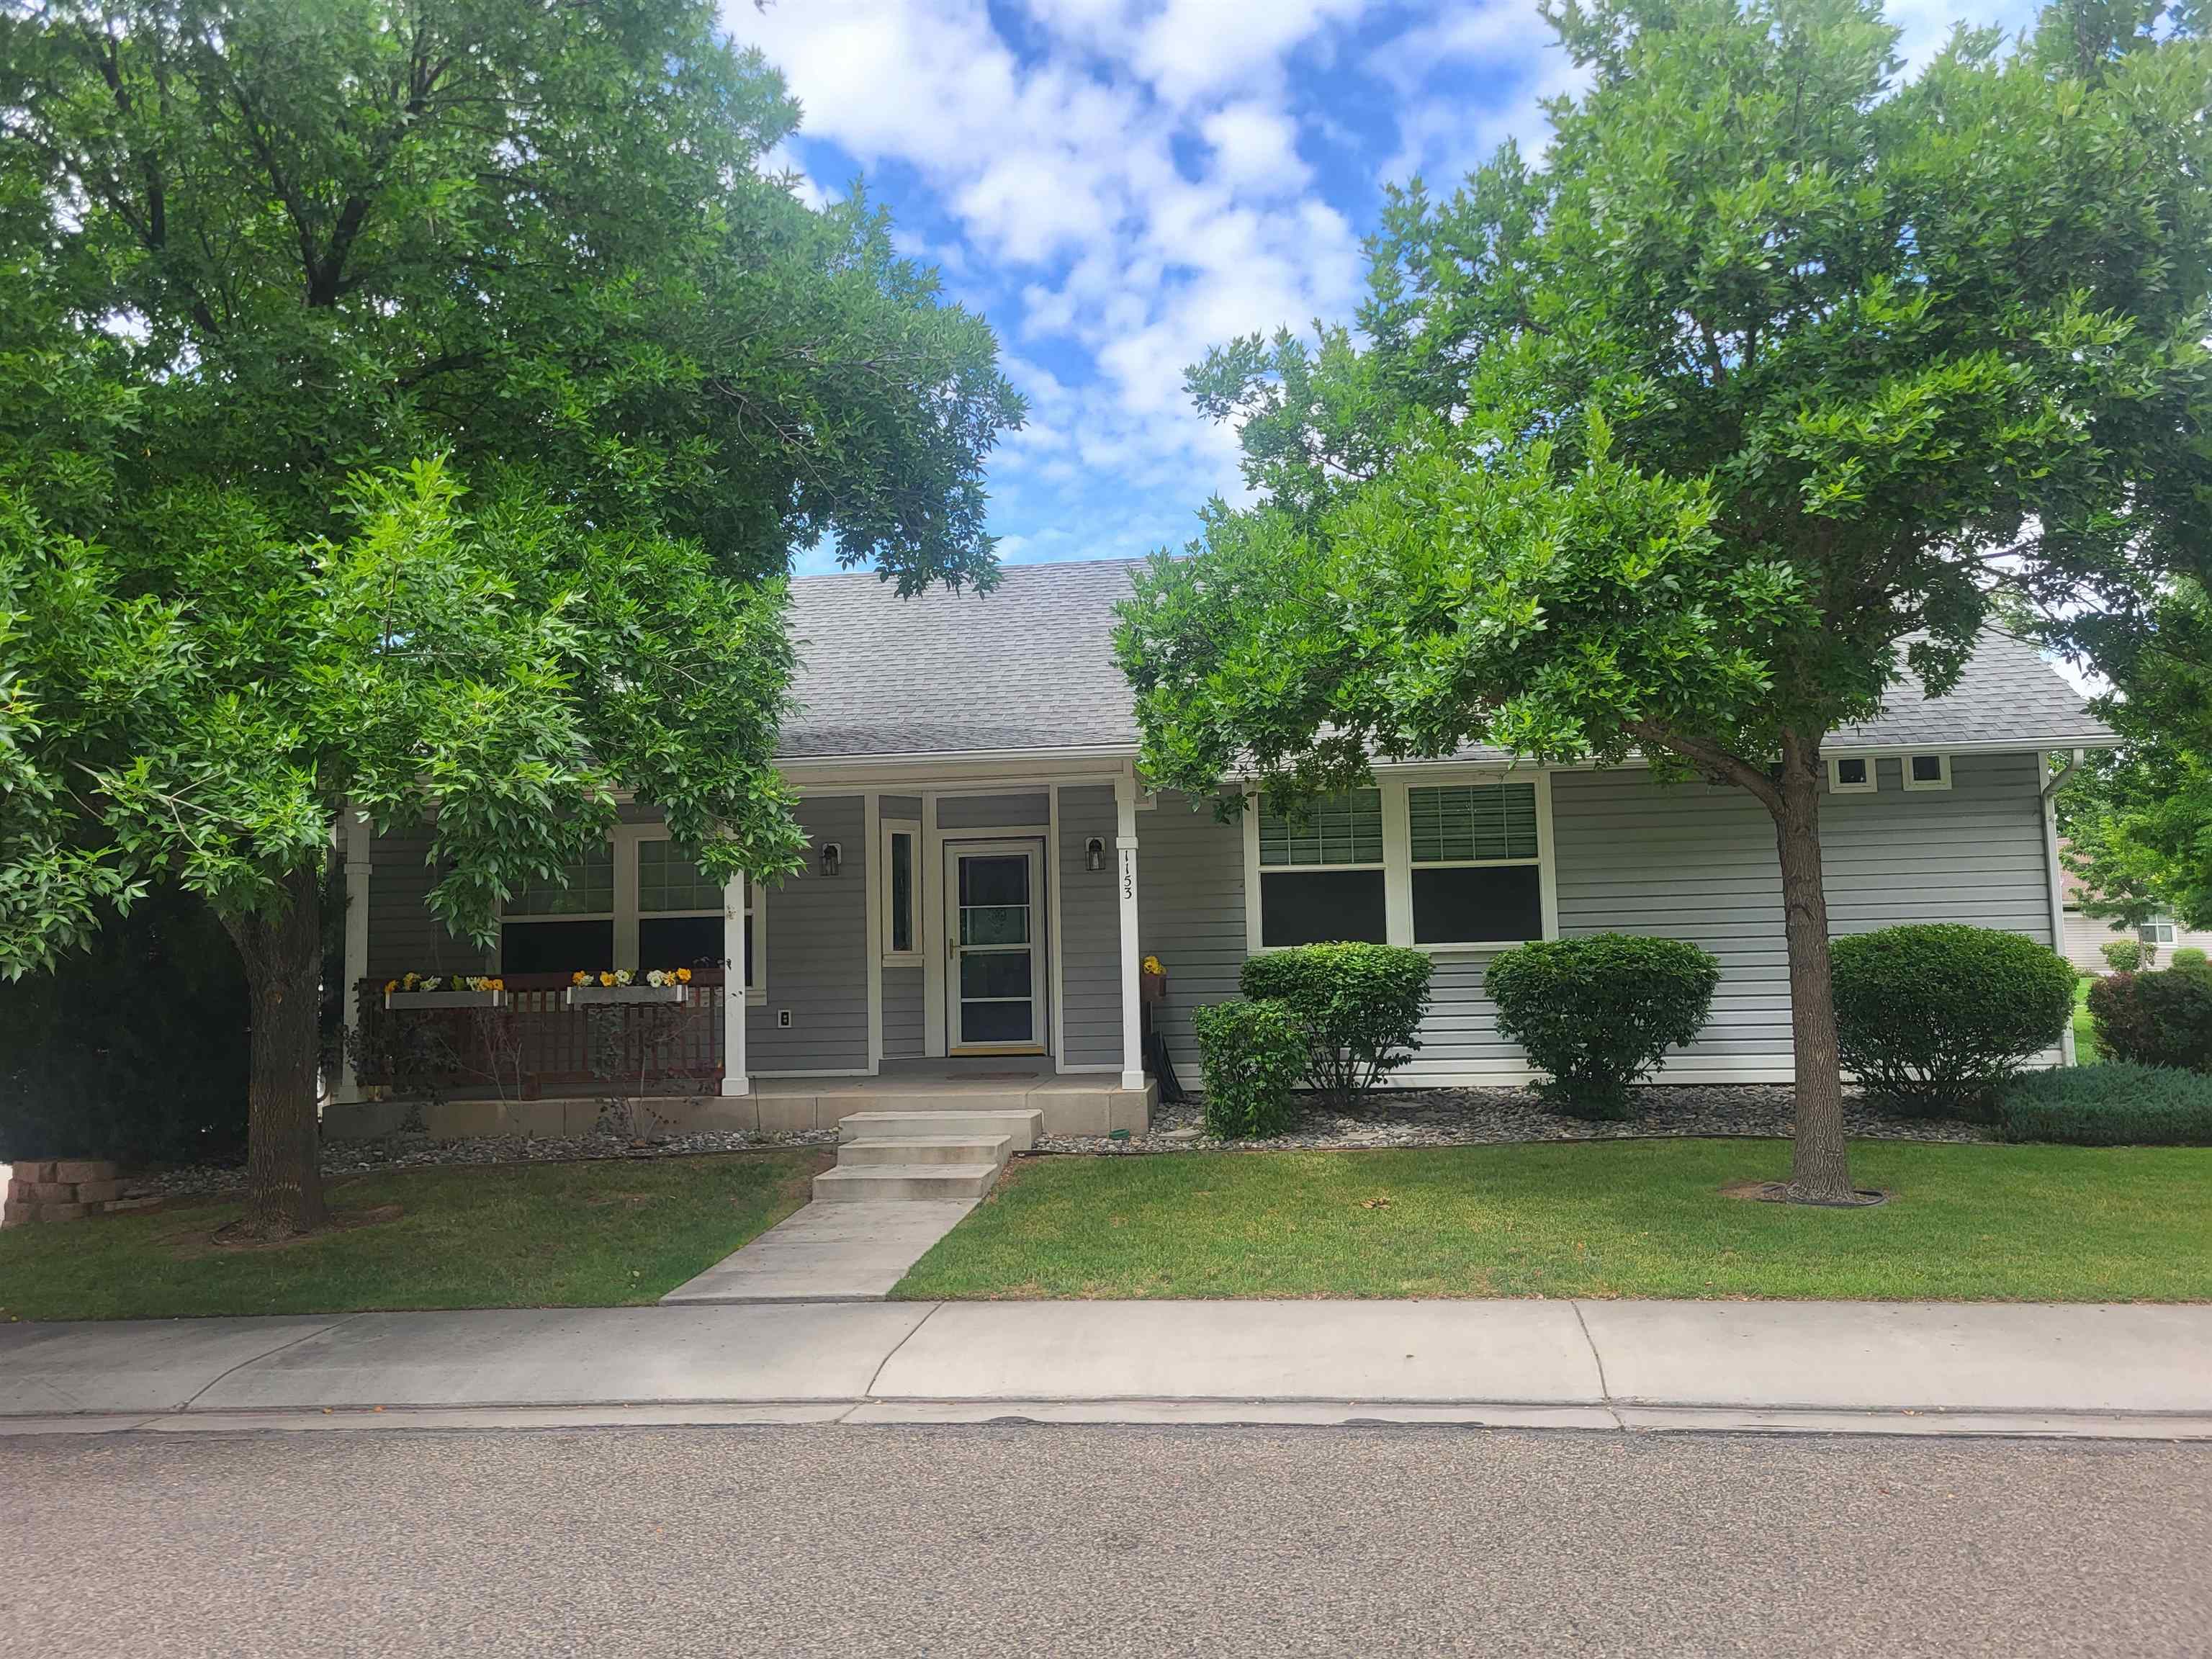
(1118,184)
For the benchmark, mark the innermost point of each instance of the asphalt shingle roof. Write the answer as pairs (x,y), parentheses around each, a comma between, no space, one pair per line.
(1031,666)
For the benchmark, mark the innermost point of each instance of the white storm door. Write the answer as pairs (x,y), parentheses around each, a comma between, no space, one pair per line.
(994,946)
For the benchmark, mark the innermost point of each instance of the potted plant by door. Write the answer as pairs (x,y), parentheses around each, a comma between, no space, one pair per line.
(1152,981)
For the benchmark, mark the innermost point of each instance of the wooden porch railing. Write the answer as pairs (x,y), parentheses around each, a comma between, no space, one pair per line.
(533,1040)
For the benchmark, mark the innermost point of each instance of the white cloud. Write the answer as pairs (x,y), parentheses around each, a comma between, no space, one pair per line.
(1255,146)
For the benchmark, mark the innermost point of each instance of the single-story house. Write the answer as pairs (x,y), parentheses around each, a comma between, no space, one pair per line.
(988,870)
(2088,935)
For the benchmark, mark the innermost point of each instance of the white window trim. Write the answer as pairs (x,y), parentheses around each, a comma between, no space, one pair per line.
(2149,933)
(1397,866)
(1943,780)
(625,839)
(1838,786)
(913,957)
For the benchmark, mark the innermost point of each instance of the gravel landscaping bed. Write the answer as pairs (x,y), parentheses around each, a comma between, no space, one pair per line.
(1396,1117)
(1473,1117)
(406,1151)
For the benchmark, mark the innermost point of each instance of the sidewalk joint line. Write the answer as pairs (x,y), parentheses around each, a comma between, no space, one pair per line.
(200,1394)
(868,1393)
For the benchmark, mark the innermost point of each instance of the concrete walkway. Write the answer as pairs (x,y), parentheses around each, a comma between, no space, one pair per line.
(1890,1368)
(838,1252)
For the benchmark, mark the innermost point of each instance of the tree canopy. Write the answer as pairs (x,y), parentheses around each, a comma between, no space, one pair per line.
(1698,433)
(413,406)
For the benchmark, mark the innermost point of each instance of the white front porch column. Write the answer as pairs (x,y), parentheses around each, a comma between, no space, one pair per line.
(1132,1012)
(353,841)
(735,1079)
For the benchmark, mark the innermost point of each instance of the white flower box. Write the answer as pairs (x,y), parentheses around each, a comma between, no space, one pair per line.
(444,998)
(582,995)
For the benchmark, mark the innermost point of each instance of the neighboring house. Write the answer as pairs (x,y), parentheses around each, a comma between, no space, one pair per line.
(2088,935)
(988,870)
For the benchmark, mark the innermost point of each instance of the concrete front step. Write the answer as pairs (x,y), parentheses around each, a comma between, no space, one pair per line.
(903,1183)
(926,1149)
(1020,1127)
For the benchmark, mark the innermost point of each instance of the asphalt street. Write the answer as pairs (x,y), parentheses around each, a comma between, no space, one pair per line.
(1005,1540)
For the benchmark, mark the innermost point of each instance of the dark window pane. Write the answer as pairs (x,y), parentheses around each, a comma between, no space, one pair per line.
(1308,907)
(751,984)
(989,879)
(1003,925)
(1851,771)
(1466,907)
(996,1022)
(679,942)
(901,892)
(1927,769)
(556,947)
(995,974)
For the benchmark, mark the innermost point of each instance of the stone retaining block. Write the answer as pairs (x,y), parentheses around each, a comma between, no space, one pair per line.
(65,1189)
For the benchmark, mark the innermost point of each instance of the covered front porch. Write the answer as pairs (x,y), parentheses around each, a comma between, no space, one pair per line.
(959,931)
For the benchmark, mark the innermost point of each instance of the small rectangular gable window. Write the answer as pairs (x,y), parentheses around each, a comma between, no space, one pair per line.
(1851,775)
(1927,771)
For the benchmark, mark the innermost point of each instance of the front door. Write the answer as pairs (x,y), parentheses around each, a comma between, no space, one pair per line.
(994,939)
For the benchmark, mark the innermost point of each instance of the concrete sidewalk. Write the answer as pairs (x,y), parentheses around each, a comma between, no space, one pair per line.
(2122,1371)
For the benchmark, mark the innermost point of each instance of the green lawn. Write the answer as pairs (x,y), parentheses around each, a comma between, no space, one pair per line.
(513,1236)
(2085,1028)
(1604,1219)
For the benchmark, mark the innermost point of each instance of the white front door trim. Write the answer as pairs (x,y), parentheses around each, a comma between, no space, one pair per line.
(1031,848)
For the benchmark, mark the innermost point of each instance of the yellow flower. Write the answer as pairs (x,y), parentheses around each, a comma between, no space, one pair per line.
(606,979)
(1153,965)
(390,986)
(579,977)
(682,975)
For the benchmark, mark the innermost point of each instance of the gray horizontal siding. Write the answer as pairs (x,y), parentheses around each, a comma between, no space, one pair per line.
(990,811)
(904,1037)
(1089,932)
(1696,861)
(817,939)
(403,935)
(899,806)
(1190,912)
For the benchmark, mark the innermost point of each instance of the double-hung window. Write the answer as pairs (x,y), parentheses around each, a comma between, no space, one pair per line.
(1476,862)
(559,925)
(679,910)
(1321,874)
(638,901)
(1440,865)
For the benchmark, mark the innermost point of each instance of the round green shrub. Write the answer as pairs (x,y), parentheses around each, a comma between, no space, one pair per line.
(1359,1005)
(1600,1013)
(2191,956)
(1934,1015)
(2122,956)
(2156,1019)
(1254,1054)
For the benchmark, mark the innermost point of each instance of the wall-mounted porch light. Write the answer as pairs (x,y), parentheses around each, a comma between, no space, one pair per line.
(832,857)
(1094,854)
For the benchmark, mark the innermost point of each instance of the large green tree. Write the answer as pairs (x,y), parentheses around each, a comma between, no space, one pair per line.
(411,407)
(1696,437)
(2139,819)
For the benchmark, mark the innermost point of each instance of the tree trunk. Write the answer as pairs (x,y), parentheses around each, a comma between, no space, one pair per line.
(283,953)
(1819,1160)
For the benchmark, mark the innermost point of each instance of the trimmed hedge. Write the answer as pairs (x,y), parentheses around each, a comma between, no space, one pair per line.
(1935,1016)
(1253,1052)
(2191,956)
(1360,1006)
(2156,1019)
(2122,956)
(2118,1103)
(1600,1013)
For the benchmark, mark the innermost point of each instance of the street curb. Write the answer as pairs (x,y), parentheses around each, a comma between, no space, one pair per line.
(1619,1418)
